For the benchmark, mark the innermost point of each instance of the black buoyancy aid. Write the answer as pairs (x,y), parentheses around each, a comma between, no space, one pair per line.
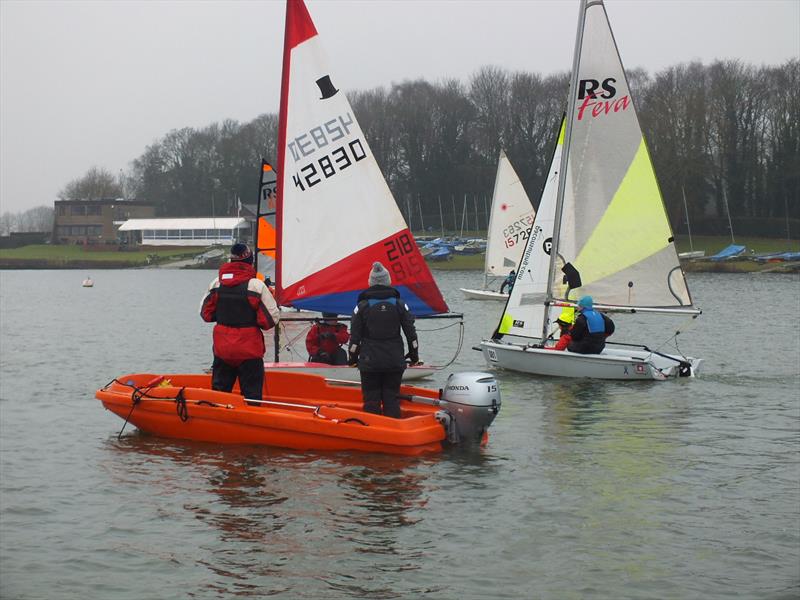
(382,319)
(233,309)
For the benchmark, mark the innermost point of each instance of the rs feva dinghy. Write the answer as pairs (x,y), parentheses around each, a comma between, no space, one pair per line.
(306,412)
(510,224)
(601,230)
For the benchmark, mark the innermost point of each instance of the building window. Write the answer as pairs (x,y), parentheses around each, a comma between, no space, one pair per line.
(78,211)
(62,211)
(94,209)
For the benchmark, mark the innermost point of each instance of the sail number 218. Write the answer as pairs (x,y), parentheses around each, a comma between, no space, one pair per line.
(403,261)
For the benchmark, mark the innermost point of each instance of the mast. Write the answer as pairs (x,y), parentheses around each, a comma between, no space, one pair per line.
(686,210)
(562,170)
(441,219)
(728,211)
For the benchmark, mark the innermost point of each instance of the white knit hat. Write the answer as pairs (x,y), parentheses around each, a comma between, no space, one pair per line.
(379,275)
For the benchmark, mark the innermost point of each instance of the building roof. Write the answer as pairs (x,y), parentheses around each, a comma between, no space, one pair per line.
(199,223)
(106,201)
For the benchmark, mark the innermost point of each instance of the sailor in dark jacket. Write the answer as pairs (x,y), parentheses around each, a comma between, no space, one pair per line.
(376,345)
(590,330)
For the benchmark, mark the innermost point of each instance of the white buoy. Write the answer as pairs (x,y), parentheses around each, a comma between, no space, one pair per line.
(88,282)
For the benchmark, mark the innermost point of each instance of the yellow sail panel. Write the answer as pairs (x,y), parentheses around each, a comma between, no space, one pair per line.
(633,227)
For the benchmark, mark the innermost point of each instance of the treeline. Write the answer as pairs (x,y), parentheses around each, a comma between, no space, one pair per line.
(721,132)
(38,219)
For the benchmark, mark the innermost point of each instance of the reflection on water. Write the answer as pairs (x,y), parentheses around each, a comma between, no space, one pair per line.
(573,407)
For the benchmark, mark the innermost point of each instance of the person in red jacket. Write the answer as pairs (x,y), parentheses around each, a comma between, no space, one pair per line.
(564,321)
(242,307)
(324,341)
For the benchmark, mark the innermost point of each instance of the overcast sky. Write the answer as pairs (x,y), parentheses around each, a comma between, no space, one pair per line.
(92,83)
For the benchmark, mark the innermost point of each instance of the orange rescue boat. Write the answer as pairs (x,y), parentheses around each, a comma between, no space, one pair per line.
(305,412)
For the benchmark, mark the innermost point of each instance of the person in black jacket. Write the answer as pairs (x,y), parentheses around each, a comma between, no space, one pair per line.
(590,330)
(376,345)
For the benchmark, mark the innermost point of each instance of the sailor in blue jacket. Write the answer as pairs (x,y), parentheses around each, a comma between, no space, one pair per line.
(508,281)
(590,330)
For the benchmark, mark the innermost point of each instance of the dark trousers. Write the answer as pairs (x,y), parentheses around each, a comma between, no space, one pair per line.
(380,390)
(250,374)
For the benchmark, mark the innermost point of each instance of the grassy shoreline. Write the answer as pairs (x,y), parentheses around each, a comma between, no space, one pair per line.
(78,257)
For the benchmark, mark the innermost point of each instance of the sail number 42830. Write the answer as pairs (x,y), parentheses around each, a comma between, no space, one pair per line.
(330,164)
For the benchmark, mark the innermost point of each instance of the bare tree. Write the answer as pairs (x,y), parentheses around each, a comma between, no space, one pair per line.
(96,183)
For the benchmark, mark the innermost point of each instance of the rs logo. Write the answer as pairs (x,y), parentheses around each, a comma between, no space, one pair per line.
(587,87)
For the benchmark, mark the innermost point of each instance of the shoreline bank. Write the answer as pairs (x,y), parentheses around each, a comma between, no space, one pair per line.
(457,264)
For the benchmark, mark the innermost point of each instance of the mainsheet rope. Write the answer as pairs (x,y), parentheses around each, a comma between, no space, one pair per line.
(291,341)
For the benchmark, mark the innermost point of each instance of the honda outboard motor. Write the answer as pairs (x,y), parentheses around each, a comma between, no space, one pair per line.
(470,402)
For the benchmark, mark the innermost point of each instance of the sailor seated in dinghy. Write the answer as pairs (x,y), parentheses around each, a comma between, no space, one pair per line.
(324,341)
(564,322)
(590,330)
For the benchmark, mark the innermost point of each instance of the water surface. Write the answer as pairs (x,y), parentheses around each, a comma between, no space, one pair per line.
(682,489)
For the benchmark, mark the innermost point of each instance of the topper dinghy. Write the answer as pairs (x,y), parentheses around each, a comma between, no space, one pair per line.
(327,176)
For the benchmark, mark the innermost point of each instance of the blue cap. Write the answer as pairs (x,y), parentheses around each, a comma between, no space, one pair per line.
(586,302)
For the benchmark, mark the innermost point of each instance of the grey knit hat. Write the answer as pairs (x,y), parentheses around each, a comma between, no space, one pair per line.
(379,275)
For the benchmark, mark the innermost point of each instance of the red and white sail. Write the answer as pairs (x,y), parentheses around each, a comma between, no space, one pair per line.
(335,212)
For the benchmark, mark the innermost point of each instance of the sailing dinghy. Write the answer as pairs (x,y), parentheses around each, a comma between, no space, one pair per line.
(509,225)
(328,214)
(601,230)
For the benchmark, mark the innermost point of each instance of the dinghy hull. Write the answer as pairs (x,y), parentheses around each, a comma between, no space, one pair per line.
(612,363)
(483,295)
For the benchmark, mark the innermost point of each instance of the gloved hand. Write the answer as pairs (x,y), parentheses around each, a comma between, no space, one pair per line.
(413,356)
(352,359)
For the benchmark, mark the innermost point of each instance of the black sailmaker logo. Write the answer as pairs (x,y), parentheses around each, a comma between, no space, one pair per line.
(326,87)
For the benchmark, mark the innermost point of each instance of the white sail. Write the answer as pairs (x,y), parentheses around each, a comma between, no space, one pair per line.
(336,214)
(613,228)
(509,222)
(525,308)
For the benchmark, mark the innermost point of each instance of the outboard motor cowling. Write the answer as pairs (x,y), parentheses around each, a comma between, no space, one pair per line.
(471,401)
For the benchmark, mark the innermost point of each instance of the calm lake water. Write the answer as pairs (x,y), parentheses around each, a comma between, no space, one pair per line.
(680,489)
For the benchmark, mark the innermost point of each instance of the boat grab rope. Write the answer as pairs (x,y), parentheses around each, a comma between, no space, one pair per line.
(319,415)
(140,393)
